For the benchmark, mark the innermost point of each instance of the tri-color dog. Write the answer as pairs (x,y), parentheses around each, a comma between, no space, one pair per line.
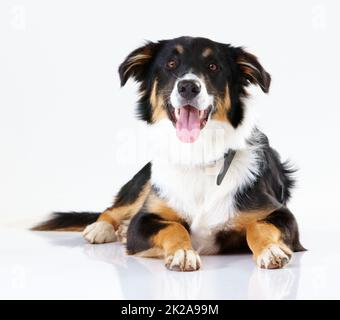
(216,186)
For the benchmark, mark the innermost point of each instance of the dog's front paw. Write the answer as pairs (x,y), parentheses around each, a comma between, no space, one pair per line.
(100,232)
(274,257)
(183,260)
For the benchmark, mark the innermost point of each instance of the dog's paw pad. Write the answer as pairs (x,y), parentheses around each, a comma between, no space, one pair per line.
(121,232)
(99,232)
(274,257)
(183,260)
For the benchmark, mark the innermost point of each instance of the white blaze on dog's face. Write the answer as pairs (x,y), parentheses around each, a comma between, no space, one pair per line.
(190,82)
(192,106)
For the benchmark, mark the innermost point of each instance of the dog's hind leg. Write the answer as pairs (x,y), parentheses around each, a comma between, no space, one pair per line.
(114,220)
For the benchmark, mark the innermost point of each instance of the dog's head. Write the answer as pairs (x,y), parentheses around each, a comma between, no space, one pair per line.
(191,81)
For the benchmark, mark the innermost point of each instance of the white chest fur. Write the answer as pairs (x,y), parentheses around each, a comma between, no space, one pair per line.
(192,191)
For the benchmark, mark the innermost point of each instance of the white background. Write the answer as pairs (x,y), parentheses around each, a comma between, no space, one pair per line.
(66,127)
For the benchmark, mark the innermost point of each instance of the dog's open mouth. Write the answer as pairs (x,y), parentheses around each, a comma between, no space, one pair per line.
(189,121)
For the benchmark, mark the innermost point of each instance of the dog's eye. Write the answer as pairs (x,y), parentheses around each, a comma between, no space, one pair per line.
(171,64)
(212,66)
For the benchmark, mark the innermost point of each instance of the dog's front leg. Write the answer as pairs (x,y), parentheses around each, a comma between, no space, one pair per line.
(266,243)
(175,240)
(150,235)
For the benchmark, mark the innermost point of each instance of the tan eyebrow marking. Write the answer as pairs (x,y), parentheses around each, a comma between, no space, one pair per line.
(207,52)
(179,48)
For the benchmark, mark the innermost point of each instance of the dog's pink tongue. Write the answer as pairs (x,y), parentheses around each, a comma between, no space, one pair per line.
(188,124)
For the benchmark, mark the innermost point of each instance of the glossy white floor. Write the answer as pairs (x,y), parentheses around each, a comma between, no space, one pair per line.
(54,265)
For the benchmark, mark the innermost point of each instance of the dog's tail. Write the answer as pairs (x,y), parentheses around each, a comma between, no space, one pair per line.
(67,221)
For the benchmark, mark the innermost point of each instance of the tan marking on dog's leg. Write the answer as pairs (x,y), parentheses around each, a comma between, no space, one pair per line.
(265,241)
(104,229)
(175,240)
(115,215)
(245,218)
(174,236)
(151,253)
(158,206)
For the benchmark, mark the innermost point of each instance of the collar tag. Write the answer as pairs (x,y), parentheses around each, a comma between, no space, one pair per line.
(228,158)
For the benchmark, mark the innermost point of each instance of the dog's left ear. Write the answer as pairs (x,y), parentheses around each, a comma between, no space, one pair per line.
(252,70)
(138,62)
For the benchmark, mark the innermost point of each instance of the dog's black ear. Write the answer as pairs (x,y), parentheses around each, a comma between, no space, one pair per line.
(138,62)
(252,70)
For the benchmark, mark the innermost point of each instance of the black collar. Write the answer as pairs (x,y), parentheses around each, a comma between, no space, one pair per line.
(228,158)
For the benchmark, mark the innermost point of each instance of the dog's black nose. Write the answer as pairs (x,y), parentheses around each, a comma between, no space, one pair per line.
(188,89)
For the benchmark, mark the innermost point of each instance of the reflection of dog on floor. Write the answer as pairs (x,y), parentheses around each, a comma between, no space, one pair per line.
(216,186)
